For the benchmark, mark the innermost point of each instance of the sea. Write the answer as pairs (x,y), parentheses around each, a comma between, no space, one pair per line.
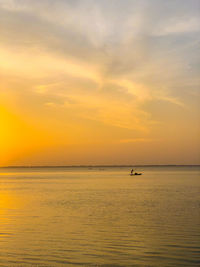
(100,216)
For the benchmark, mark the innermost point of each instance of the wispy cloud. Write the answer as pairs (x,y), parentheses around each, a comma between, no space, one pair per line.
(137,140)
(110,62)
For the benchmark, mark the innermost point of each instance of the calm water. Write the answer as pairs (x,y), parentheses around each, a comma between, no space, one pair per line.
(100,216)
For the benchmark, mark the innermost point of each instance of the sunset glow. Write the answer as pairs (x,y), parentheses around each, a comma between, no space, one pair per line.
(99,82)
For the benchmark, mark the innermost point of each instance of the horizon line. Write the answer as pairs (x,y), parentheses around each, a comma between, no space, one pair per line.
(107,165)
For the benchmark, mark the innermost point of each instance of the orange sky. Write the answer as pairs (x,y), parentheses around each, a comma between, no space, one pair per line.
(92,82)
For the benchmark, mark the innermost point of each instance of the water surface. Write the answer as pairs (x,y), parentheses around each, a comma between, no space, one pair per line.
(100,216)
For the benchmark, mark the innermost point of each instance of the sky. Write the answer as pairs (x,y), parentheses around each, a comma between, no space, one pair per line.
(85,82)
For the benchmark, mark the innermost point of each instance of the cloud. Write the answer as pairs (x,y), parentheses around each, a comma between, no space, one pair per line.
(180,27)
(137,140)
(117,54)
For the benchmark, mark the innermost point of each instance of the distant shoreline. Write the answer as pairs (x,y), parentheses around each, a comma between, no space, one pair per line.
(104,166)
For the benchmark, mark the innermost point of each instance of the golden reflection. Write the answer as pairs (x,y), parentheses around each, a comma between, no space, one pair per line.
(9,204)
(8,201)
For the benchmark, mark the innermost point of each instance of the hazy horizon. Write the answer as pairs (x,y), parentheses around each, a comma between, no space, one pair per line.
(96,166)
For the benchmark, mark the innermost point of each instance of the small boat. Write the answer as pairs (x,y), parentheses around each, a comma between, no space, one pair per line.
(135,173)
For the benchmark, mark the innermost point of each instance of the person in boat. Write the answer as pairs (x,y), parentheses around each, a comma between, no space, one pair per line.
(134,173)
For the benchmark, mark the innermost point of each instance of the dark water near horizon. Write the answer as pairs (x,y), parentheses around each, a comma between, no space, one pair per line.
(100,216)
